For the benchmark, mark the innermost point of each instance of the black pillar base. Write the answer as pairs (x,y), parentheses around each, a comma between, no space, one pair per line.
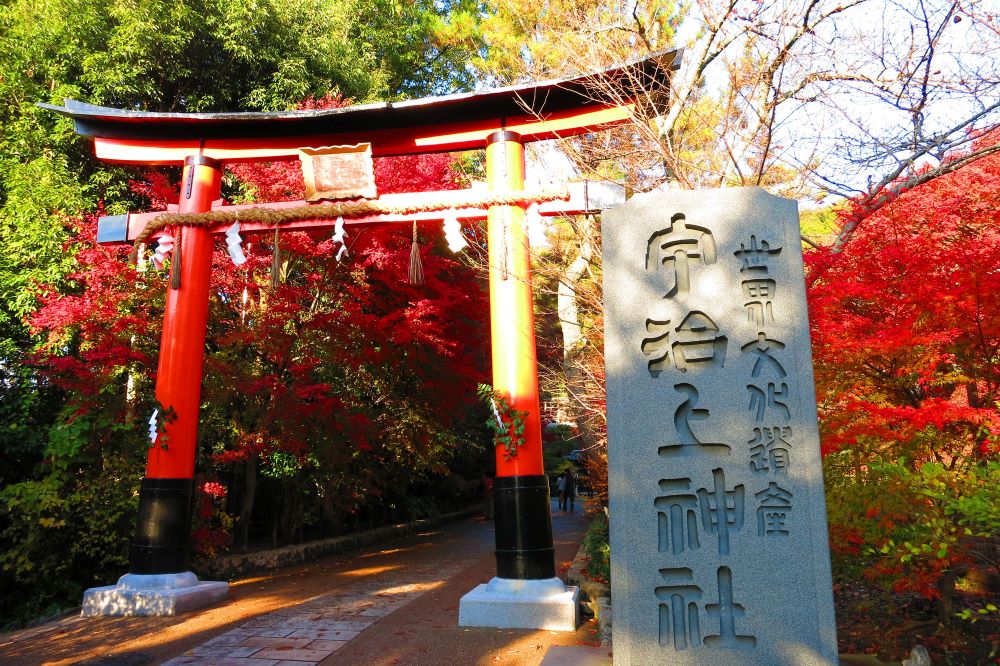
(162,543)
(523,526)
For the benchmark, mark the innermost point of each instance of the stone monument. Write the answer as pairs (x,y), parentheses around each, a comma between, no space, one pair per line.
(719,548)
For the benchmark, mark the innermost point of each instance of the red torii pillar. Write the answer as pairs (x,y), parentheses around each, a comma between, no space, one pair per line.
(162,541)
(525,592)
(159,582)
(521,490)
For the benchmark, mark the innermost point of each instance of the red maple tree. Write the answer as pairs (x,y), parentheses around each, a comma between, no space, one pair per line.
(338,378)
(906,333)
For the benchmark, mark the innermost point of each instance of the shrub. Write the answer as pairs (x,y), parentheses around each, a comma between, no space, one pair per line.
(595,545)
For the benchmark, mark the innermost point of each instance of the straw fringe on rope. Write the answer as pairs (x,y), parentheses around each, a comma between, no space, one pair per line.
(175,263)
(348,209)
(416,272)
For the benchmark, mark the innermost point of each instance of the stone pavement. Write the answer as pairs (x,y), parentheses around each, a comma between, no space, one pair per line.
(309,632)
(394,604)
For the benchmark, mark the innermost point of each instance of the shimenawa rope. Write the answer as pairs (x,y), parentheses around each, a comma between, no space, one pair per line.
(348,209)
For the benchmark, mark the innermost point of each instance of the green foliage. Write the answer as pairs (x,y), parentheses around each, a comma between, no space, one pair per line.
(27,410)
(980,613)
(34,233)
(164,416)
(506,422)
(902,527)
(971,498)
(595,545)
(422,46)
(558,440)
(819,225)
(547,39)
(555,463)
(226,55)
(71,527)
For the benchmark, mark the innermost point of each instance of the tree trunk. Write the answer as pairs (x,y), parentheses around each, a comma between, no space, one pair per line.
(568,311)
(249,492)
(946,599)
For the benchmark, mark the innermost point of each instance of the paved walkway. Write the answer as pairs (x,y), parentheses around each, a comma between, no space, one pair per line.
(397,604)
(309,632)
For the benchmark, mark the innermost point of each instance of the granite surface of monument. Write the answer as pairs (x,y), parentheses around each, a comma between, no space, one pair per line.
(719,548)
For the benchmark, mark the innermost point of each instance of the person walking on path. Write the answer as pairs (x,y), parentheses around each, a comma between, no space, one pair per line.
(561,488)
(569,490)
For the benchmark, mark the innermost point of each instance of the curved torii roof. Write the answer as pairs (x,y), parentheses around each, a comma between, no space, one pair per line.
(537,111)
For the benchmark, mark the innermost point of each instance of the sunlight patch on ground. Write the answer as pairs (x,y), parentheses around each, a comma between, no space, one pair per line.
(279,600)
(410,588)
(256,579)
(529,649)
(387,551)
(107,637)
(369,571)
(394,551)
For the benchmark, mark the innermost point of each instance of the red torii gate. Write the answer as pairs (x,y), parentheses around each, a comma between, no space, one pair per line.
(501,120)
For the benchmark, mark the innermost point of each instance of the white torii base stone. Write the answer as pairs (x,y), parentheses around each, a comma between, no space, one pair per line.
(158,594)
(507,603)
